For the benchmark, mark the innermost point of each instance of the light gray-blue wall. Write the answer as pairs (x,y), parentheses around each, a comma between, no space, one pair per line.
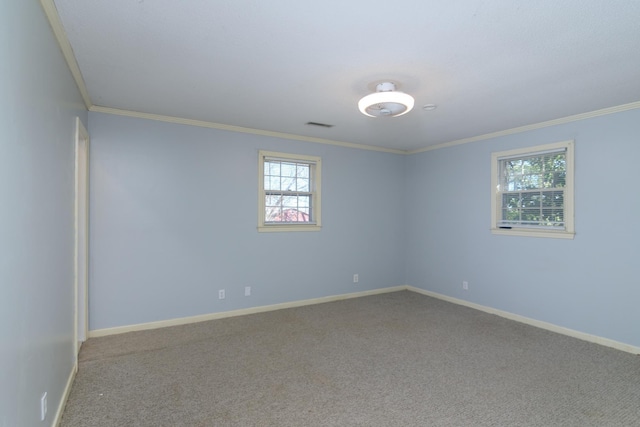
(174,219)
(38,106)
(174,216)
(590,284)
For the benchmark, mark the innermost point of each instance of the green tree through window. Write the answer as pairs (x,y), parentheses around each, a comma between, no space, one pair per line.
(533,191)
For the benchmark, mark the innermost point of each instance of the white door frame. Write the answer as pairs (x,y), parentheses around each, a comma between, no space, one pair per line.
(81,262)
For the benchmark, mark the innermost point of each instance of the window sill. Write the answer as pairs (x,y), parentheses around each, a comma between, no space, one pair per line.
(533,233)
(285,228)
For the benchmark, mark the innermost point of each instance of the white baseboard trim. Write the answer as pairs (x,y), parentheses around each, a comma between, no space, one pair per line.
(261,309)
(224,314)
(65,395)
(537,323)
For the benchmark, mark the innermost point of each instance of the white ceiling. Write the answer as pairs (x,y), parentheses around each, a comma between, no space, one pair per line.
(489,65)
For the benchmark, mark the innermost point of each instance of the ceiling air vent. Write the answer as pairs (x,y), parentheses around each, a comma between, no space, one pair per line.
(322,125)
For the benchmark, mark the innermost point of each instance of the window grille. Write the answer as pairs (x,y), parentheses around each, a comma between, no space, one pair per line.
(289,191)
(533,189)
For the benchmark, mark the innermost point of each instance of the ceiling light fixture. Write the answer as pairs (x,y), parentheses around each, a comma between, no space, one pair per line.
(386,102)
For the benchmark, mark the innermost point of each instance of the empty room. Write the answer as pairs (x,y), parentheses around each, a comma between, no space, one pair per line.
(245,213)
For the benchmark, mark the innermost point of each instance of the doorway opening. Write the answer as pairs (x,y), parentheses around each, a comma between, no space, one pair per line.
(81,285)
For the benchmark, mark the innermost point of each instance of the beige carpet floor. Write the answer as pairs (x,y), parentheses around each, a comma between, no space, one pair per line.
(398,359)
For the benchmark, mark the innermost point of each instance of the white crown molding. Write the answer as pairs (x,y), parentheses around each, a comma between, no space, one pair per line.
(201,123)
(231,128)
(560,121)
(61,35)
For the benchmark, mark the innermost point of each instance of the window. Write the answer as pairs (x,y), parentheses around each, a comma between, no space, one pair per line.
(289,192)
(532,191)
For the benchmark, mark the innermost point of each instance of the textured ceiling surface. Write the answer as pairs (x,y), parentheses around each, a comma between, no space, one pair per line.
(489,65)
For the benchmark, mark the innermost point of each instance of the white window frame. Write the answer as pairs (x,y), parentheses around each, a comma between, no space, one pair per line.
(316,168)
(496,195)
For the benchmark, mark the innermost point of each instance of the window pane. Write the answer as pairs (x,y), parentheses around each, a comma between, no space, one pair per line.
(305,214)
(287,215)
(559,179)
(272,168)
(553,215)
(544,171)
(508,215)
(288,169)
(272,183)
(511,201)
(531,215)
(302,184)
(272,214)
(287,184)
(303,171)
(272,200)
(521,177)
(280,208)
(294,215)
(553,199)
(287,192)
(290,201)
(530,200)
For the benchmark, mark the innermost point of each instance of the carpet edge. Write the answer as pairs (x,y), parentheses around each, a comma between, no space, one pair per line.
(628,348)
(241,312)
(65,395)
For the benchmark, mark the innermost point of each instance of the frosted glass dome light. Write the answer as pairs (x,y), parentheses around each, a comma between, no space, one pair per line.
(386,102)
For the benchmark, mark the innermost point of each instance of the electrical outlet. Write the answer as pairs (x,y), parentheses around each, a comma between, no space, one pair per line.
(221,294)
(247,291)
(356,278)
(43,406)
(465,285)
